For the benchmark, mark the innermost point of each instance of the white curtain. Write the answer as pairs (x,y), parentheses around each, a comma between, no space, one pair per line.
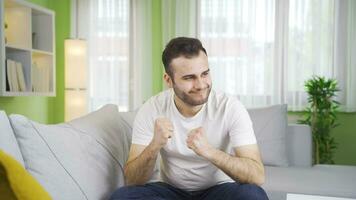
(346,53)
(350,94)
(239,38)
(179,19)
(260,50)
(310,47)
(264,50)
(118,33)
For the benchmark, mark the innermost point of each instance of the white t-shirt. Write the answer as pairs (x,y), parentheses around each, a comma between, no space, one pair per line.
(226,124)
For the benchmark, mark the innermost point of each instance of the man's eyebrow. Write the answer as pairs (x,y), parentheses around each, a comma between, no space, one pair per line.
(193,75)
(206,71)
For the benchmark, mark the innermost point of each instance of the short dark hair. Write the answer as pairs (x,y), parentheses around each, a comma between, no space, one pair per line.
(180,46)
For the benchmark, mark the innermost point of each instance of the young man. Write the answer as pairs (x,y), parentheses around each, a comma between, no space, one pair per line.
(205,139)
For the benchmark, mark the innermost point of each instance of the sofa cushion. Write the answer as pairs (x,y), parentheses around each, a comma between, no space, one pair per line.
(80,159)
(17,183)
(325,180)
(299,135)
(8,141)
(270,126)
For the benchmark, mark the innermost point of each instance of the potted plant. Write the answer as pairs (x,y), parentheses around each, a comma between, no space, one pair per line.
(320,115)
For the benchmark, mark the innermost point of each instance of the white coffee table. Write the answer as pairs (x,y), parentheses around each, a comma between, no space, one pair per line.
(313,197)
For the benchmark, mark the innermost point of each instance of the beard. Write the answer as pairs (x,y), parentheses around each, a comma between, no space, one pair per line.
(189,99)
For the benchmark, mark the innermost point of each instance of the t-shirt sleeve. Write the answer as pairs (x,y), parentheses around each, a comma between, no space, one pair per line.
(142,131)
(241,130)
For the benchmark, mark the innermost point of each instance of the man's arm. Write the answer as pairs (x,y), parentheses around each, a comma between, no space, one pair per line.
(140,164)
(142,159)
(246,166)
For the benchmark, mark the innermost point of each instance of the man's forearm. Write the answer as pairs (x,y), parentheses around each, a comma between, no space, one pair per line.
(139,170)
(245,170)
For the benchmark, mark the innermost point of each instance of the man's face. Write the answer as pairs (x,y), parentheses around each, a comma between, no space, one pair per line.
(191,79)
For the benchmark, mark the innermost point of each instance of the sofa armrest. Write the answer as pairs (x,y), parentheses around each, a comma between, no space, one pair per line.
(8,142)
(299,145)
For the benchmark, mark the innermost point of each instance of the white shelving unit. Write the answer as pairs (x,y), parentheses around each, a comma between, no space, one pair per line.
(29,39)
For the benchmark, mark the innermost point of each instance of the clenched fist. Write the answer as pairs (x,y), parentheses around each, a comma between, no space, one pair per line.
(198,142)
(163,130)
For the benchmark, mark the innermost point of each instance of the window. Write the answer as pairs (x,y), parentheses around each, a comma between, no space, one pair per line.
(109,53)
(264,50)
(239,37)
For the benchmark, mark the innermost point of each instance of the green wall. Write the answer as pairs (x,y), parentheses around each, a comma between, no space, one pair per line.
(46,109)
(62,9)
(157,47)
(345,136)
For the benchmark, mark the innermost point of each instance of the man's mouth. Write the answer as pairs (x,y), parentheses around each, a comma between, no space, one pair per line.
(200,92)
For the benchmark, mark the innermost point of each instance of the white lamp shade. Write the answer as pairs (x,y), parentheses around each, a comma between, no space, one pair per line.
(75,52)
(76,104)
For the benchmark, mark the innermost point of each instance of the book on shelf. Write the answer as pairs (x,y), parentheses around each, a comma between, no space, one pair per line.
(8,75)
(15,76)
(14,79)
(34,79)
(40,78)
(20,76)
(12,76)
(6,78)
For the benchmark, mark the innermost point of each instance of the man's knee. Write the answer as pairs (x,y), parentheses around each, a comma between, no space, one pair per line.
(252,192)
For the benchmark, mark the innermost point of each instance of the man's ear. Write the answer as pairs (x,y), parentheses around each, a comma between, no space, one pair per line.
(168,80)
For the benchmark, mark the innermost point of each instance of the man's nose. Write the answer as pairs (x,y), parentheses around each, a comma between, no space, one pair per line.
(199,83)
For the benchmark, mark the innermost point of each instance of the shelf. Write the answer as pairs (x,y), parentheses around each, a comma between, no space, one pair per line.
(17,47)
(27,49)
(29,42)
(12,94)
(40,52)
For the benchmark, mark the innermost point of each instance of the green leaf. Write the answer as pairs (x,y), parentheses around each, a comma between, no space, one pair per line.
(320,114)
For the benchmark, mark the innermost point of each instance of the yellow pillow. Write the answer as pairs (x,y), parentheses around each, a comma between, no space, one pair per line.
(17,183)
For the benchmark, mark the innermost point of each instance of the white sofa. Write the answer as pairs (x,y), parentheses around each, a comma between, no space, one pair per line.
(83,159)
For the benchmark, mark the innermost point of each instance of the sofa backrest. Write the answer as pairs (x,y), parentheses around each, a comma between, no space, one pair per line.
(298,141)
(8,142)
(299,145)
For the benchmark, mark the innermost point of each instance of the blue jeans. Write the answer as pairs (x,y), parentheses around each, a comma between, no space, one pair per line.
(164,191)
